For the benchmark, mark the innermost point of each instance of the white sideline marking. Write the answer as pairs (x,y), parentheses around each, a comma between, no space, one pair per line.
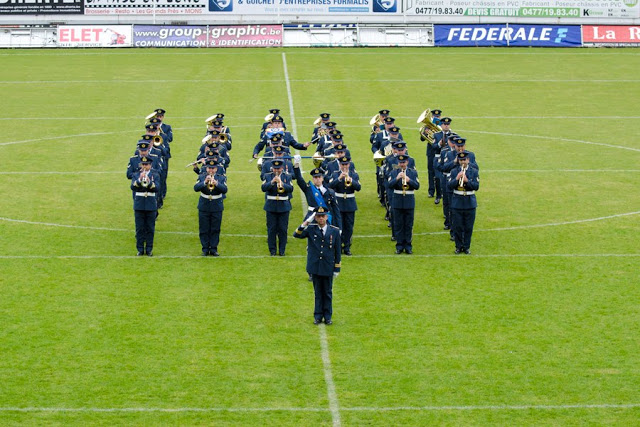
(324,344)
(189,233)
(415,255)
(353,409)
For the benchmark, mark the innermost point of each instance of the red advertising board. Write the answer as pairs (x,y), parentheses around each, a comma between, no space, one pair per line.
(610,34)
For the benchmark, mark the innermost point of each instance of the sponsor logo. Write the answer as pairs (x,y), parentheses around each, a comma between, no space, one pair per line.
(220,5)
(385,6)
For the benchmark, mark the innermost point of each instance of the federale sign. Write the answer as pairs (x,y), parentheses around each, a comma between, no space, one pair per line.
(41,7)
(508,35)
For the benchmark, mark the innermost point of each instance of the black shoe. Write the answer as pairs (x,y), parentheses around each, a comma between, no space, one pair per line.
(437,201)
(408,251)
(205,253)
(273,254)
(328,322)
(446,227)
(214,253)
(281,254)
(431,196)
(149,253)
(389,225)
(398,251)
(458,251)
(467,251)
(347,252)
(317,321)
(393,239)
(452,238)
(139,253)
(310,278)
(386,217)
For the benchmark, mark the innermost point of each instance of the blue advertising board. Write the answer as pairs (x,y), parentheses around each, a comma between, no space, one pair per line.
(508,35)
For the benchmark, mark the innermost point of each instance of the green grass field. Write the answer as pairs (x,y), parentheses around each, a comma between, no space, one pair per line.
(539,326)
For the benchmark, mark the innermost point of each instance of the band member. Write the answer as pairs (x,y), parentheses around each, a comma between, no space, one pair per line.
(391,164)
(464,181)
(288,140)
(377,123)
(323,262)
(383,135)
(445,163)
(277,187)
(267,121)
(145,207)
(223,131)
(321,131)
(404,182)
(213,188)
(317,194)
(345,182)
(277,153)
(433,153)
(142,150)
(166,130)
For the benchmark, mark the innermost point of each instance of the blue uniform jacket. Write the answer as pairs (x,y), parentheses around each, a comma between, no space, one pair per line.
(323,252)
(468,199)
(381,140)
(211,200)
(345,195)
(275,201)
(134,165)
(266,167)
(329,197)
(144,197)
(406,200)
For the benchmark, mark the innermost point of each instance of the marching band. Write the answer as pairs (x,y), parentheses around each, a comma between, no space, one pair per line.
(333,184)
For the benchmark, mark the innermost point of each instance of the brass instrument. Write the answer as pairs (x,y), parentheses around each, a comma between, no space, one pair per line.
(260,163)
(279,183)
(317,122)
(212,185)
(405,184)
(144,178)
(209,120)
(464,171)
(317,159)
(375,123)
(157,141)
(224,137)
(151,116)
(378,158)
(348,181)
(429,128)
(268,117)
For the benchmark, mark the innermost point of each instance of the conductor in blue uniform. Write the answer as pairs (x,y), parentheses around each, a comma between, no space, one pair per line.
(323,261)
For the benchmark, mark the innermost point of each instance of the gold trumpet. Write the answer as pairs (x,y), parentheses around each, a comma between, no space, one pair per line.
(279,183)
(212,185)
(144,178)
(405,183)
(157,141)
(464,172)
(348,181)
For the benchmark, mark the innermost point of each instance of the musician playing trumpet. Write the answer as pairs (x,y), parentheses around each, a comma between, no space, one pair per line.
(346,182)
(464,181)
(145,187)
(277,188)
(212,187)
(404,182)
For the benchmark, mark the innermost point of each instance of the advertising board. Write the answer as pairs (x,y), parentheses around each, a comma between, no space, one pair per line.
(41,7)
(207,36)
(94,36)
(611,35)
(145,7)
(508,35)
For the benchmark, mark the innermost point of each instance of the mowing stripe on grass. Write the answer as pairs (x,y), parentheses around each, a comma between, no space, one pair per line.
(353,409)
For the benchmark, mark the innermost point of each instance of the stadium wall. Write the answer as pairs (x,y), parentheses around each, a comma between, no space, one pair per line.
(252,23)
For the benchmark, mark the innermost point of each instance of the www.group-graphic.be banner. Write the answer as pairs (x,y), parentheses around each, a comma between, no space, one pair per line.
(304,7)
(203,36)
(508,35)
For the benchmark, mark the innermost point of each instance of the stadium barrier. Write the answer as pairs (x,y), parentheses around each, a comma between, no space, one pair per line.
(317,35)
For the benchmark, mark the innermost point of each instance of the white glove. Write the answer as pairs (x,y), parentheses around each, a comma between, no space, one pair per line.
(297,159)
(335,275)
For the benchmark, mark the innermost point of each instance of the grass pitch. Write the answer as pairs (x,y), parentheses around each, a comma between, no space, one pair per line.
(539,326)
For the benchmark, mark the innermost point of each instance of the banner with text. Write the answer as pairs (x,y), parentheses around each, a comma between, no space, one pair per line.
(145,7)
(508,35)
(525,8)
(610,35)
(94,36)
(41,7)
(304,7)
(207,36)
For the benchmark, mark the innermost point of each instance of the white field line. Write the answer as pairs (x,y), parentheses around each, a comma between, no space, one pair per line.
(233,172)
(379,256)
(193,233)
(324,344)
(367,81)
(353,409)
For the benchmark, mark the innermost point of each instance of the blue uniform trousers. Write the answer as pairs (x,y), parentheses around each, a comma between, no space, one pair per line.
(462,226)
(163,178)
(145,229)
(348,220)
(403,228)
(277,225)
(323,290)
(209,224)
(446,209)
(433,183)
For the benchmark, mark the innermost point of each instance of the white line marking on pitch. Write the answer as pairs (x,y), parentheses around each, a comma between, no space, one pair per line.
(353,409)
(363,81)
(324,344)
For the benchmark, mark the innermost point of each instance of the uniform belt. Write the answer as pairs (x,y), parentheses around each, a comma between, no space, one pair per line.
(464,193)
(437,156)
(446,173)
(346,195)
(278,198)
(210,196)
(403,192)
(147,194)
